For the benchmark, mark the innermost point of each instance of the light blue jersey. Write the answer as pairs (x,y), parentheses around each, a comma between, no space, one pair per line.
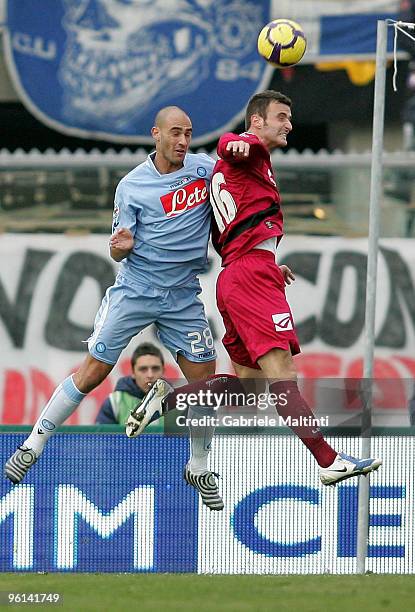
(169,217)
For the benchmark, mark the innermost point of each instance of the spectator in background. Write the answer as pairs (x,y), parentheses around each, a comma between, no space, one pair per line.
(147,364)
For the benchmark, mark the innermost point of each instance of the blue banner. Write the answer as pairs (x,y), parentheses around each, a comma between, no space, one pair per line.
(337,30)
(103,68)
(351,35)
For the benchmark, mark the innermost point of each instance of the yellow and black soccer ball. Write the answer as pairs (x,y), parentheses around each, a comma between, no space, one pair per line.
(282,43)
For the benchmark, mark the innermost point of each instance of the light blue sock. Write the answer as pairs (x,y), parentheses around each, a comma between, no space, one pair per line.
(65,399)
(201,434)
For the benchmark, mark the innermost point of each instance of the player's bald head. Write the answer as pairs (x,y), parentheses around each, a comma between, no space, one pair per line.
(172,134)
(170,115)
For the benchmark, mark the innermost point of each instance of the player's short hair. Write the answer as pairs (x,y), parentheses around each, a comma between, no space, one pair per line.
(258,104)
(146,348)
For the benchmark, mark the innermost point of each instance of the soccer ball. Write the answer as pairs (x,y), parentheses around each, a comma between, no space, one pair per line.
(282,43)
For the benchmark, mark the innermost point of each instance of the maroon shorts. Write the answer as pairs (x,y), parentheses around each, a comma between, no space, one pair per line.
(251,299)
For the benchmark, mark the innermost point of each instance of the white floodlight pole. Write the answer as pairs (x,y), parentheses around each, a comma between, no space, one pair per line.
(376,192)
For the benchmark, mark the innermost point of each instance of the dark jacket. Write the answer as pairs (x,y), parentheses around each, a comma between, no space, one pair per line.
(120,402)
(117,407)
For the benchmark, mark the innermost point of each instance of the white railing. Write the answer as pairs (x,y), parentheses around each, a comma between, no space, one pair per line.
(120,159)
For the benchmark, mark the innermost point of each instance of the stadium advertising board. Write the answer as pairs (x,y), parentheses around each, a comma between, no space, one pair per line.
(51,288)
(100,504)
(103,503)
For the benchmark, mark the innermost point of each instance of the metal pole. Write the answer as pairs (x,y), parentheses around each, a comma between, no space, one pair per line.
(376,192)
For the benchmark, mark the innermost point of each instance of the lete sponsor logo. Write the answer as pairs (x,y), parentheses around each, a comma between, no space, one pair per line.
(186,197)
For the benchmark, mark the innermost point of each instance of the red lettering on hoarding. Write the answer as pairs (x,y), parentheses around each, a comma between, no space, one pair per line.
(408,363)
(124,366)
(316,365)
(14,398)
(25,393)
(388,386)
(172,373)
(42,389)
(389,392)
(188,196)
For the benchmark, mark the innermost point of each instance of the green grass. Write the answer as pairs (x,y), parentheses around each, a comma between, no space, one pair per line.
(190,593)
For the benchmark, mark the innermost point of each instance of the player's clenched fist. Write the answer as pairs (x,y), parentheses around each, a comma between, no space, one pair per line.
(239,148)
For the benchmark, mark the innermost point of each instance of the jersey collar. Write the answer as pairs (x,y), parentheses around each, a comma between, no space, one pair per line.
(151,164)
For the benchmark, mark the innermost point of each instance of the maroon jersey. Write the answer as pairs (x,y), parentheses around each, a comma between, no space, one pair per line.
(244,198)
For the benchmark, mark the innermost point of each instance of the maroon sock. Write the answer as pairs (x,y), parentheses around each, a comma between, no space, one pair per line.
(213,392)
(297,408)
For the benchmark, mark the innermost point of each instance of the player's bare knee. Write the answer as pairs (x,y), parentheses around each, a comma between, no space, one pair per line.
(278,364)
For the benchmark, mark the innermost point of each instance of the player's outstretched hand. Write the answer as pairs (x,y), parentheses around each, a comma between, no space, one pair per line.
(122,239)
(239,148)
(287,274)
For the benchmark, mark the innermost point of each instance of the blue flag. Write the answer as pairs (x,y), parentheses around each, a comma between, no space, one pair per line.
(103,68)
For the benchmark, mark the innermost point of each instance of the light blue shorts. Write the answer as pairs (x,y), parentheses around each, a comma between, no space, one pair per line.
(128,307)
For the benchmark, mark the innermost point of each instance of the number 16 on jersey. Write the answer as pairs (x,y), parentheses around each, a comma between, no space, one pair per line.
(223,204)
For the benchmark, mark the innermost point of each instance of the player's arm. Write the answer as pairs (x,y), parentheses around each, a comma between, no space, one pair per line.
(123,223)
(234,147)
(215,235)
(238,149)
(121,243)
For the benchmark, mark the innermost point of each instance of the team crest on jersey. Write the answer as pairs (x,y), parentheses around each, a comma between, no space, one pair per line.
(103,68)
(189,196)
